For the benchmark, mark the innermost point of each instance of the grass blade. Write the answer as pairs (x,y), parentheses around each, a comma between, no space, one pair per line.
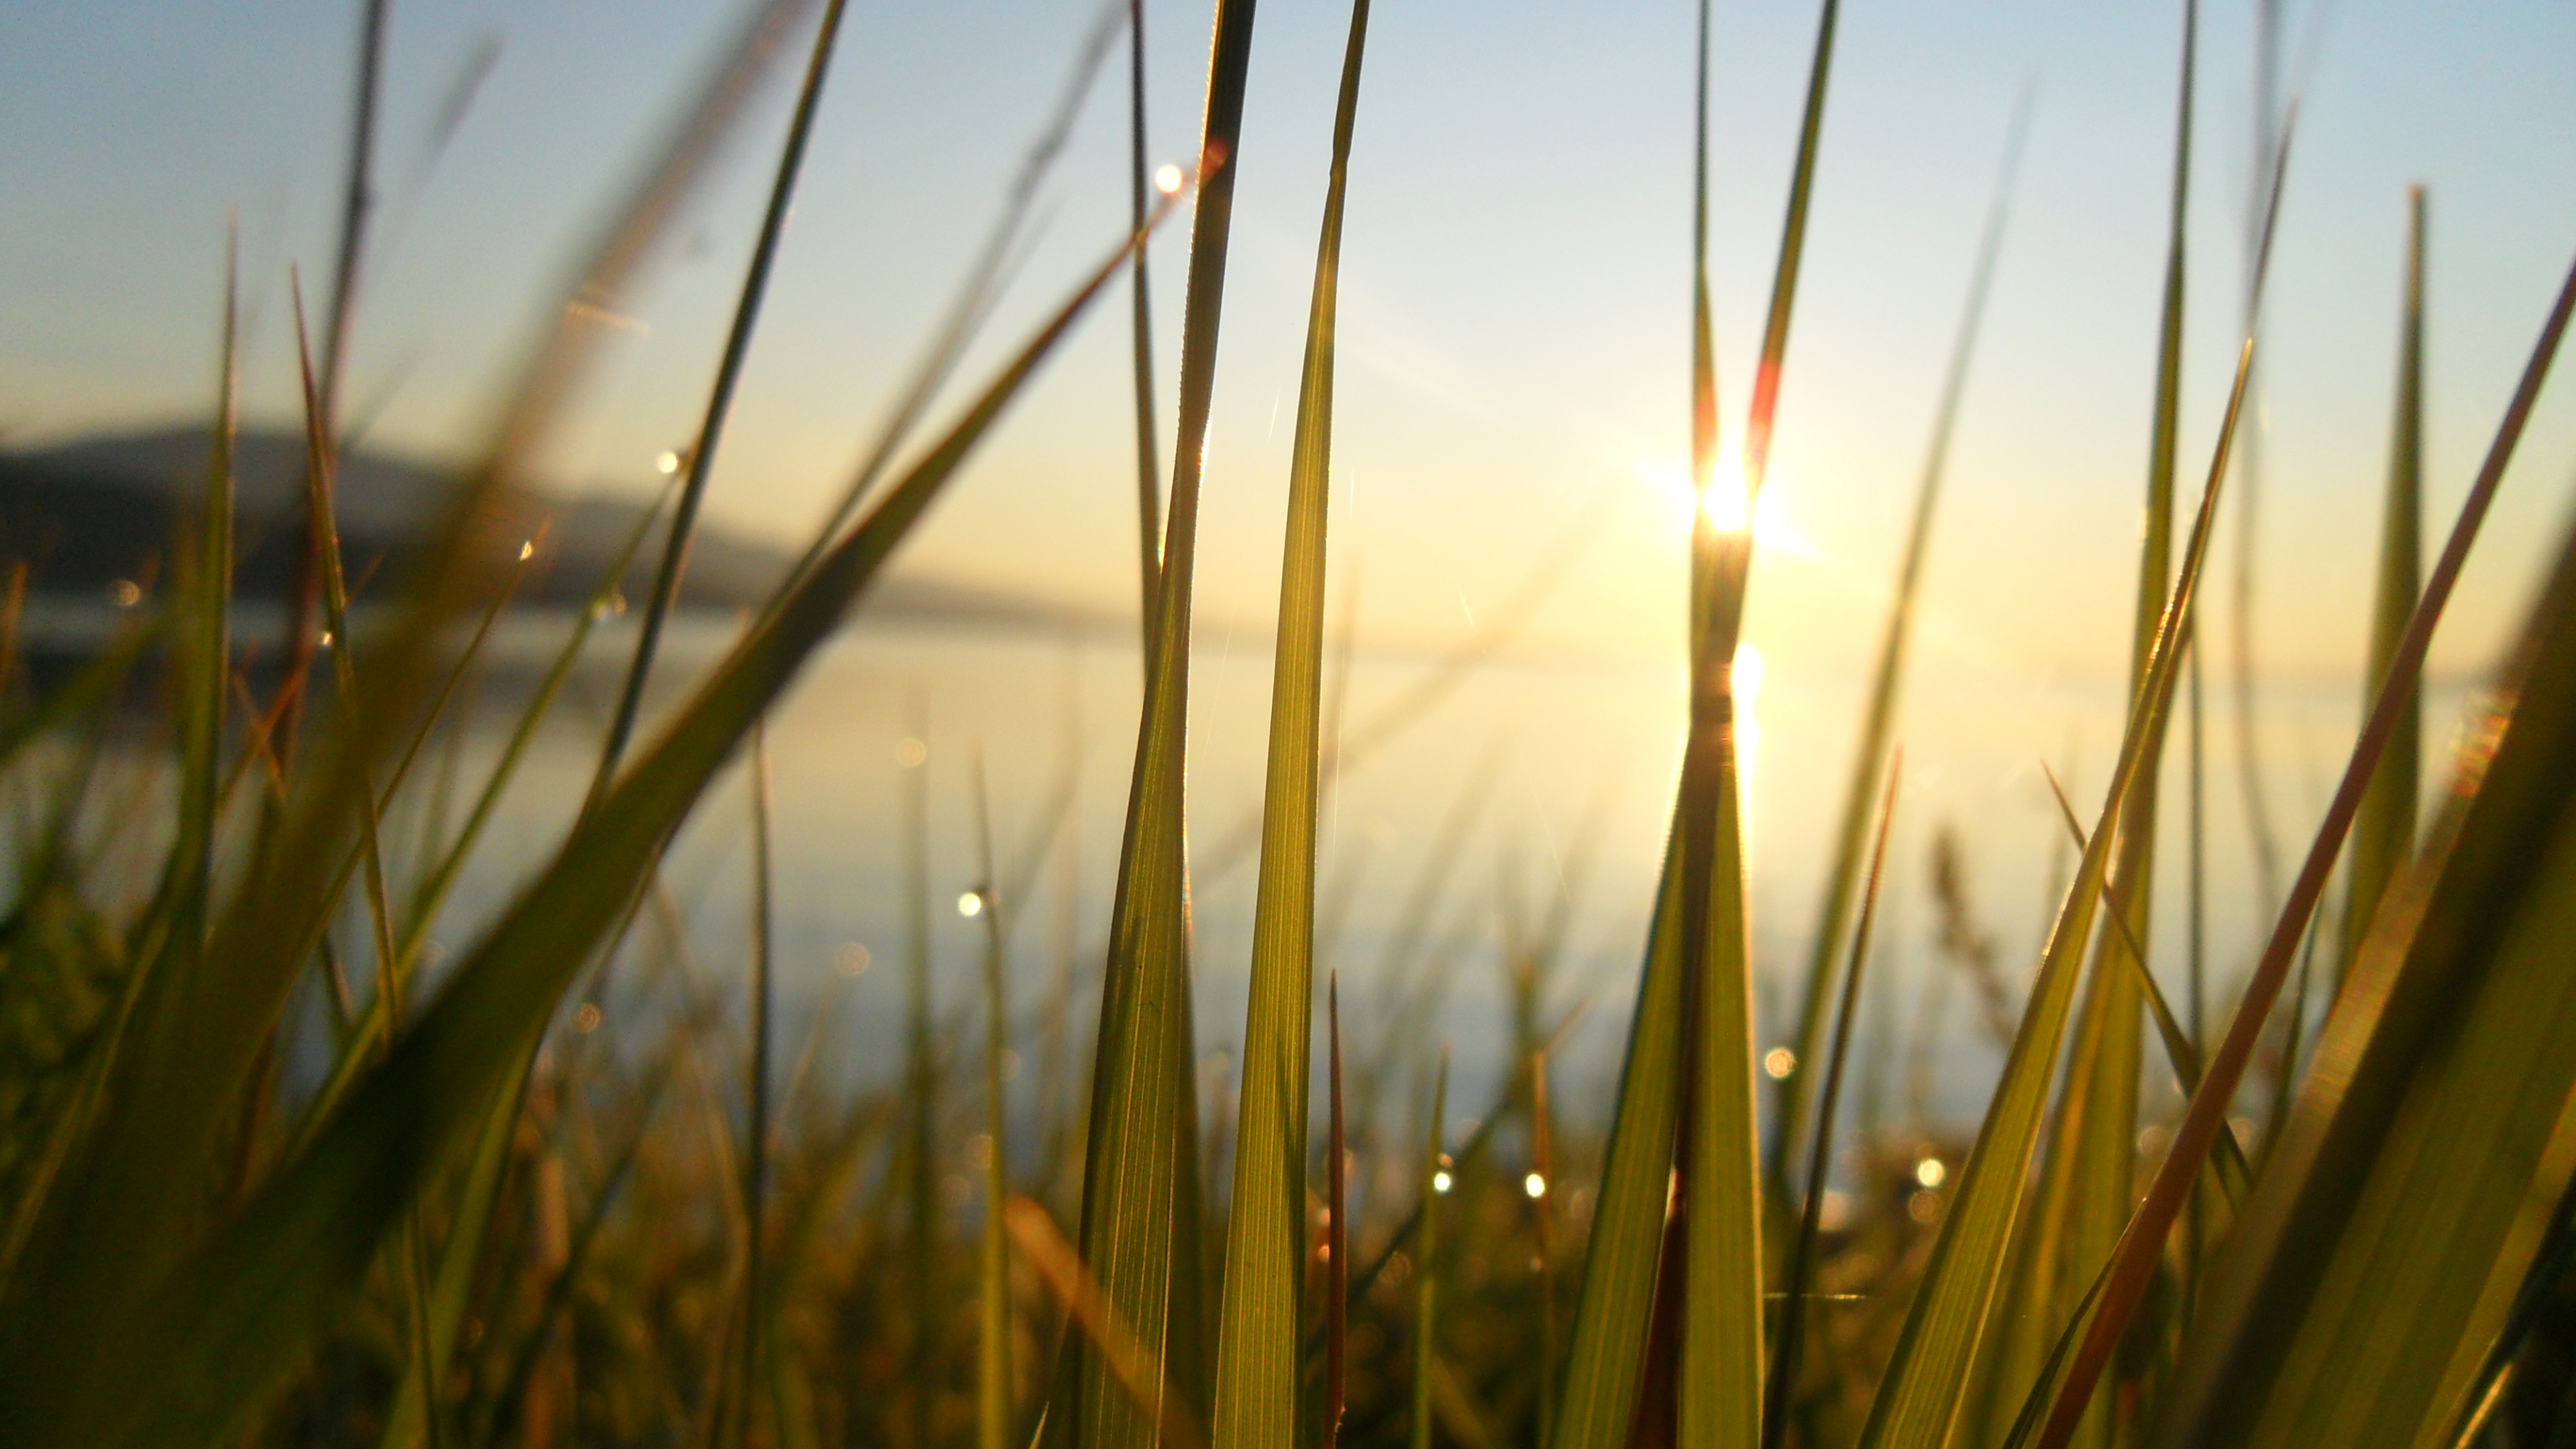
(2383,835)
(737,347)
(755,1146)
(1261,1328)
(993,1286)
(1783,1380)
(1337,1237)
(1149,462)
(2141,1245)
(1141,1235)
(1426,1291)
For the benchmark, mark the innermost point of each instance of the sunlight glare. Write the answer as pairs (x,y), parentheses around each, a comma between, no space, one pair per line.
(1723,502)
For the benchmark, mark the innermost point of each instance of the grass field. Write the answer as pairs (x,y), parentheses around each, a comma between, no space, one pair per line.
(276,1166)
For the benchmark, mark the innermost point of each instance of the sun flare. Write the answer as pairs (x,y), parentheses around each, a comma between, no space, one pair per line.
(1724,501)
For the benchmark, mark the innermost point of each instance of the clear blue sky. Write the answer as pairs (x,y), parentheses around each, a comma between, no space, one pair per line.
(1515,321)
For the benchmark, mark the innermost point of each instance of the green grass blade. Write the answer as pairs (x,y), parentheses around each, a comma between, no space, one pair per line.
(304,1241)
(1261,1328)
(1337,1236)
(1605,1358)
(2383,835)
(1149,462)
(1426,1290)
(2141,1246)
(1140,1231)
(1878,722)
(1719,1398)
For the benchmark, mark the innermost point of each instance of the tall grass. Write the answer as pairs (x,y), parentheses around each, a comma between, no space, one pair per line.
(490,1219)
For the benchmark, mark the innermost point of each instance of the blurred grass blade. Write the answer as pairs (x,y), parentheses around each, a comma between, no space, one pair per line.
(1878,722)
(1337,1234)
(1141,1233)
(196,1040)
(1090,1314)
(1926,1384)
(755,1142)
(993,1286)
(306,1239)
(1261,1329)
(1782,1382)
(701,454)
(2141,1246)
(1426,1290)
(2383,835)
(205,660)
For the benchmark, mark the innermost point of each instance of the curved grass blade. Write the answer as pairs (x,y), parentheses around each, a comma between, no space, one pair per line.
(2141,1245)
(305,1239)
(1878,722)
(1261,1327)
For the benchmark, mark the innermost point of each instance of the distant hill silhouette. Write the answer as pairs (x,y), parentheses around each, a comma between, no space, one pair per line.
(87,514)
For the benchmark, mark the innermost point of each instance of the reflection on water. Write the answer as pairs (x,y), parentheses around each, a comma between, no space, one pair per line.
(1535,788)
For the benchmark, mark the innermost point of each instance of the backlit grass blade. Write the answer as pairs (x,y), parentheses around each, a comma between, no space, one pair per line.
(2141,1246)
(1090,1314)
(1149,462)
(1719,1398)
(2383,835)
(1261,1328)
(701,455)
(237,1312)
(1878,722)
(1924,1389)
(1140,1230)
(1426,1289)
(1605,1359)
(1788,1343)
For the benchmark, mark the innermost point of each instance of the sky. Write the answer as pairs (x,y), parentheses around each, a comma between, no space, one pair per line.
(1514,312)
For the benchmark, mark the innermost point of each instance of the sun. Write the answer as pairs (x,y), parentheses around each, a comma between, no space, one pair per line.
(1724,501)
